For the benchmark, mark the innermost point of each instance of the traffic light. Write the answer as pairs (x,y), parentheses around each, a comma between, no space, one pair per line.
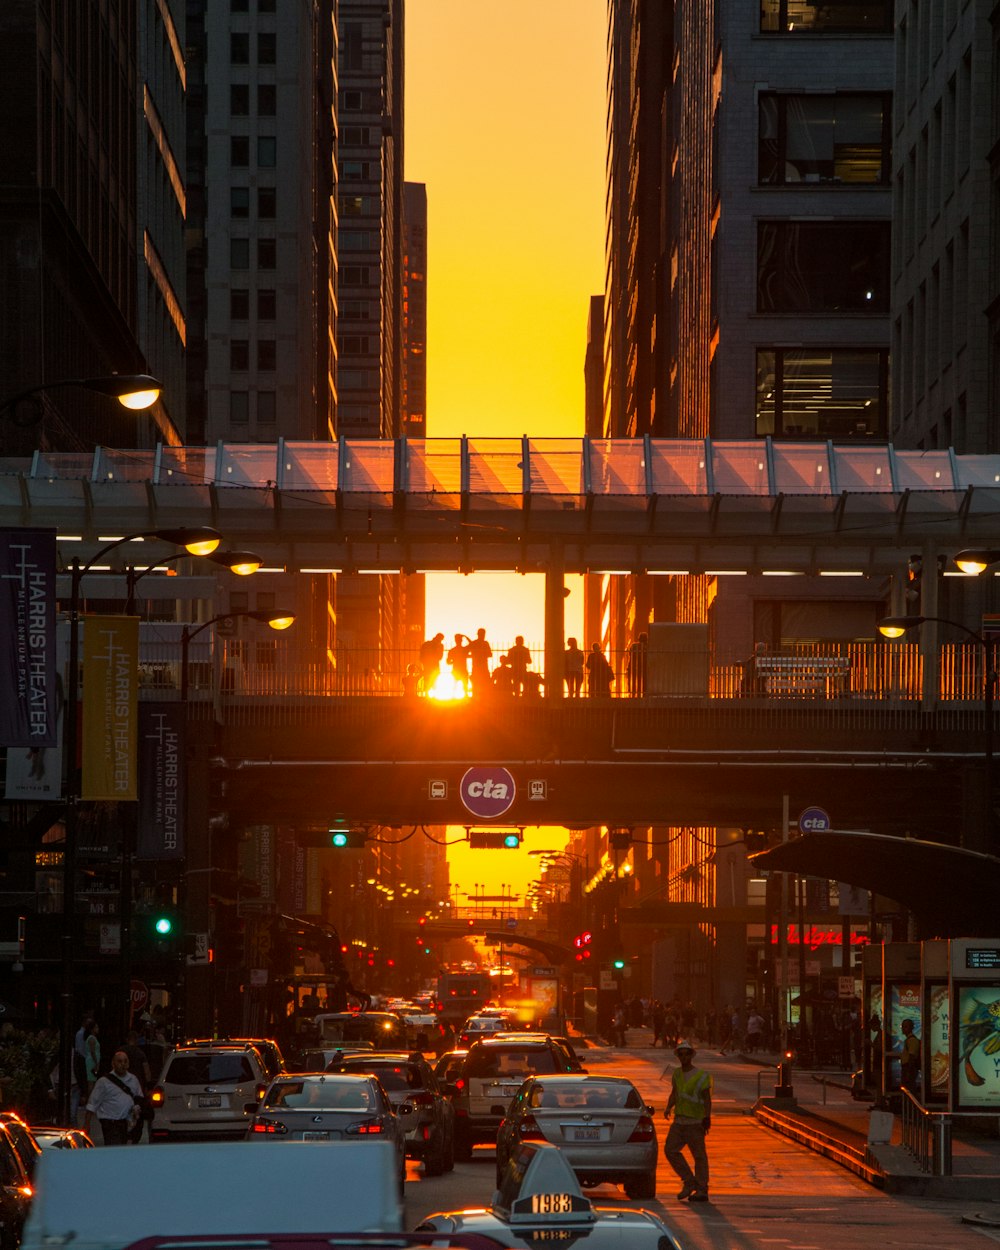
(342,836)
(620,839)
(494,839)
(582,944)
(618,964)
(914,578)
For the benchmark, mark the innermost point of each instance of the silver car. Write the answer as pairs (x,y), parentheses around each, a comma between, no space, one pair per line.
(317,1107)
(600,1123)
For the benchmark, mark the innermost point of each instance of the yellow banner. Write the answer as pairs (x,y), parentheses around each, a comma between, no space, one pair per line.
(110,707)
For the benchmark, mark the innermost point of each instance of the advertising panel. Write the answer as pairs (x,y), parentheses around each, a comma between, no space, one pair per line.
(110,705)
(28,638)
(904,1004)
(161,781)
(978,1051)
(937,1064)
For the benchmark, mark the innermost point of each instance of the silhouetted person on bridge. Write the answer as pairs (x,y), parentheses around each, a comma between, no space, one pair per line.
(637,666)
(600,674)
(520,659)
(573,668)
(503,677)
(480,654)
(431,655)
(458,661)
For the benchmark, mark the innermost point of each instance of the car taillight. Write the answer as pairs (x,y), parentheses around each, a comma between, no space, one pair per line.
(365,1128)
(643,1130)
(463,1040)
(271,1127)
(25,1191)
(460,1084)
(528,1129)
(157,1096)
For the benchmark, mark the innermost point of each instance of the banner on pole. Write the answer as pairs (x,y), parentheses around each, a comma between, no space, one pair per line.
(28,637)
(110,705)
(161,781)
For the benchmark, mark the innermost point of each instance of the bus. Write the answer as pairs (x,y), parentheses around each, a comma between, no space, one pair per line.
(462,994)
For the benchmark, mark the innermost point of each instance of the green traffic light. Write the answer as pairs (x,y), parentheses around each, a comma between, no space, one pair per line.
(339,839)
(164,926)
(512,841)
(619,964)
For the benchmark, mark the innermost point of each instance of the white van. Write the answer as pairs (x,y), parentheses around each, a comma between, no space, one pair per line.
(100,1203)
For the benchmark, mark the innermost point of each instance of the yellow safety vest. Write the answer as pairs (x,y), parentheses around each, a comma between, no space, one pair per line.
(689,1088)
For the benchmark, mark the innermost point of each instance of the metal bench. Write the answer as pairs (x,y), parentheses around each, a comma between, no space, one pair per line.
(802,676)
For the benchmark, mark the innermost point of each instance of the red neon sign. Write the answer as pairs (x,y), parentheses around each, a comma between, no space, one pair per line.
(814,937)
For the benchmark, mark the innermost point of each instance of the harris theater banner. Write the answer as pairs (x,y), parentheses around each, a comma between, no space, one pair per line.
(110,707)
(161,781)
(28,638)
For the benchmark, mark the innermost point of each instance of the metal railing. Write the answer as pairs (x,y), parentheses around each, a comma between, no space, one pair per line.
(927,1135)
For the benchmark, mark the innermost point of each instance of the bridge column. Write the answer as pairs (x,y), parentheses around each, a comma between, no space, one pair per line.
(555,622)
(928,632)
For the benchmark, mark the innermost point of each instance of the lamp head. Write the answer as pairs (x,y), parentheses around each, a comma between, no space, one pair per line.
(197,540)
(897,626)
(276,620)
(132,390)
(976,561)
(242,563)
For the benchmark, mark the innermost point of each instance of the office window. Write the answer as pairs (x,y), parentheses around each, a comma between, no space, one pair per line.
(354,171)
(239,48)
(822,392)
(239,99)
(265,601)
(239,151)
(239,355)
(239,6)
(265,6)
(355,136)
(267,99)
(353,205)
(267,254)
(267,304)
(239,253)
(823,267)
(267,202)
(358,240)
(239,601)
(239,201)
(267,408)
(239,407)
(355,276)
(267,151)
(353,101)
(823,139)
(267,48)
(239,304)
(805,17)
(267,355)
(352,46)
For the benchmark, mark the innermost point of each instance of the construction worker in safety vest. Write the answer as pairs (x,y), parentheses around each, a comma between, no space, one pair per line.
(691,1104)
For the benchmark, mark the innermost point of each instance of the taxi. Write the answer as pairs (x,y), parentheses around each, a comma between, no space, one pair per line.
(539,1203)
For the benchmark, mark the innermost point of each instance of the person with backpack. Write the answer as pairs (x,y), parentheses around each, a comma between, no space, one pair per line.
(116,1100)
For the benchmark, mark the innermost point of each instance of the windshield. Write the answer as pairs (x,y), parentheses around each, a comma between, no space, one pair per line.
(586,1095)
(515,1064)
(217,1069)
(394,1076)
(320,1096)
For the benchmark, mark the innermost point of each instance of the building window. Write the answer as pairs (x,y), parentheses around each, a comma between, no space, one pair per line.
(354,171)
(239,201)
(823,267)
(358,240)
(239,6)
(267,99)
(239,48)
(239,304)
(355,136)
(267,407)
(267,151)
(822,392)
(239,601)
(267,254)
(355,276)
(352,205)
(265,601)
(352,46)
(267,202)
(239,99)
(267,305)
(265,6)
(267,355)
(823,139)
(239,407)
(353,101)
(804,17)
(267,48)
(239,355)
(239,151)
(354,345)
(239,253)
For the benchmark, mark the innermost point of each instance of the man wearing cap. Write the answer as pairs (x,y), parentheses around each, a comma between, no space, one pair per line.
(691,1102)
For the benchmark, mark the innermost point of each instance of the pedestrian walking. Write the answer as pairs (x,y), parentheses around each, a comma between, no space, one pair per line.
(573,668)
(480,654)
(909,1057)
(116,1100)
(691,1103)
(755,1031)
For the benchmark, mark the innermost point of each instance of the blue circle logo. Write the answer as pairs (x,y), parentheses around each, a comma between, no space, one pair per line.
(487,792)
(814,820)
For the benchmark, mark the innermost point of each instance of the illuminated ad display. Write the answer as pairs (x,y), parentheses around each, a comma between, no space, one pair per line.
(904,1004)
(939,1057)
(978,1057)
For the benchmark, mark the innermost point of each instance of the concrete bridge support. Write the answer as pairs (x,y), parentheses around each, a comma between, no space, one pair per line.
(555,622)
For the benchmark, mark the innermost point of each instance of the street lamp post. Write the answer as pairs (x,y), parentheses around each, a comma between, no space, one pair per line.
(276,620)
(197,541)
(895,627)
(135,391)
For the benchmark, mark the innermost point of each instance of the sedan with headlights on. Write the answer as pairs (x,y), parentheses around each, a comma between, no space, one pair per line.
(316,1107)
(600,1123)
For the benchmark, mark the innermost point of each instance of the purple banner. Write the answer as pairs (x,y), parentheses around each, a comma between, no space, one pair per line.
(161,781)
(28,638)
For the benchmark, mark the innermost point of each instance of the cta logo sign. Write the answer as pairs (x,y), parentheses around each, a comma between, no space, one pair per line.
(814,820)
(487,792)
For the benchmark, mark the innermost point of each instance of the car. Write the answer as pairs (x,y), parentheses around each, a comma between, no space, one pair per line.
(319,1060)
(207,1091)
(601,1123)
(478,1027)
(421,1027)
(267,1048)
(24,1141)
(570,1049)
(383,1028)
(494,1071)
(16,1191)
(50,1138)
(448,1067)
(539,1200)
(427,1116)
(328,1107)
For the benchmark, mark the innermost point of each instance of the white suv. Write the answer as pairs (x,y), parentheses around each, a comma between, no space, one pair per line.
(207,1091)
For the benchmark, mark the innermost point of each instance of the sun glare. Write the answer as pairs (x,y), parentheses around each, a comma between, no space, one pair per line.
(447,689)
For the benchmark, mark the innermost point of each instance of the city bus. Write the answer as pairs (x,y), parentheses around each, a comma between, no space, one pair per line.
(462,994)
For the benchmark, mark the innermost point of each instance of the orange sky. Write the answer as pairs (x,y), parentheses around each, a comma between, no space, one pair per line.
(504,124)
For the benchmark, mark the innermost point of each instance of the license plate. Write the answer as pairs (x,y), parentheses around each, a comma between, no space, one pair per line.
(508,1091)
(209,1100)
(315,1136)
(586,1134)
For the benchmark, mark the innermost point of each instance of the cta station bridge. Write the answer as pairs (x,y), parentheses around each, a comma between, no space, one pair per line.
(558,507)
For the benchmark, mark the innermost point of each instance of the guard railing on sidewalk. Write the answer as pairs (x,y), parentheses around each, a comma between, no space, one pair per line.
(927,1135)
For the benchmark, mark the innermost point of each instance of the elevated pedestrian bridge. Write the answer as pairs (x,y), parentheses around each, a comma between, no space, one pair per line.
(568,504)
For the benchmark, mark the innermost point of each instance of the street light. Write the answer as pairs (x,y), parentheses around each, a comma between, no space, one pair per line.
(976,561)
(276,620)
(895,627)
(132,390)
(200,540)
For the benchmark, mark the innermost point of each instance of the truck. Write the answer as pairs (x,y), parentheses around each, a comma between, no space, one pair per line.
(210,1189)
